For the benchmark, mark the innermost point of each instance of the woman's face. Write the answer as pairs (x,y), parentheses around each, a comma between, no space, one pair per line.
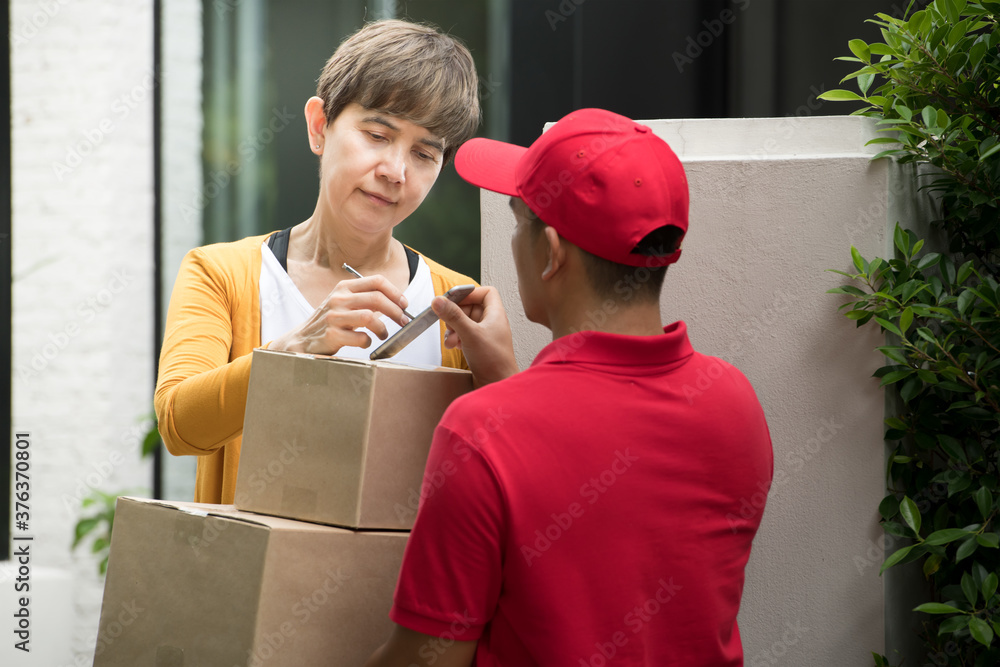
(376,168)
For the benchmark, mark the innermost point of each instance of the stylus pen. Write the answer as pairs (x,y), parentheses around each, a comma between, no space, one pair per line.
(350,269)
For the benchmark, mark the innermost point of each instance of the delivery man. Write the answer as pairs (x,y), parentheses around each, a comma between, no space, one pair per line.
(586,516)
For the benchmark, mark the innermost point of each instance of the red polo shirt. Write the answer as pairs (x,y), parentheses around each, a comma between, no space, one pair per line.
(597,508)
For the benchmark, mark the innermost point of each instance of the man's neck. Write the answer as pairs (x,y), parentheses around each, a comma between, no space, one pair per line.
(608,317)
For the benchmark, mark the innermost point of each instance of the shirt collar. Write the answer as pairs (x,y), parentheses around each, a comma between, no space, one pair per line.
(640,352)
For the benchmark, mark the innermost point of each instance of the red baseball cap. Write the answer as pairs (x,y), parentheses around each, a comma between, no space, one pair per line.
(601,180)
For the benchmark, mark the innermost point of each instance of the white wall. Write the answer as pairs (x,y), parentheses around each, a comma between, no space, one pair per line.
(82,121)
(775,202)
(183,188)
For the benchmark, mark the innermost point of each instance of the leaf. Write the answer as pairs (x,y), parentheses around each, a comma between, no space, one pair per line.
(928,260)
(932,565)
(952,11)
(901,239)
(984,500)
(904,111)
(964,272)
(100,544)
(952,447)
(959,484)
(989,586)
(929,377)
(888,153)
(840,95)
(945,536)
(969,589)
(965,299)
(864,84)
(989,152)
(895,376)
(83,527)
(937,608)
(859,261)
(982,296)
(980,630)
(847,289)
(942,119)
(895,353)
(911,288)
(150,442)
(896,422)
(988,540)
(889,506)
(911,389)
(895,558)
(948,268)
(929,115)
(860,49)
(889,326)
(911,515)
(966,549)
(953,624)
(976,53)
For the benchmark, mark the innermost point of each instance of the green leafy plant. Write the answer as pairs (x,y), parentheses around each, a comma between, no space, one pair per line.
(99,522)
(99,510)
(940,105)
(932,86)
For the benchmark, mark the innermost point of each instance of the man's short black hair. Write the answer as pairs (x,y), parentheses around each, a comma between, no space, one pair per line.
(615,281)
(611,280)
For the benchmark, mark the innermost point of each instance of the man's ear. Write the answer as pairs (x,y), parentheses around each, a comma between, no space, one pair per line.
(315,124)
(556,253)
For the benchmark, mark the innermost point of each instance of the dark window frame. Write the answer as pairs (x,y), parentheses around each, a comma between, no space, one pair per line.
(6,366)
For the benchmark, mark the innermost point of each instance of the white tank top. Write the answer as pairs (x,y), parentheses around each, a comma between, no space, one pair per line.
(283,308)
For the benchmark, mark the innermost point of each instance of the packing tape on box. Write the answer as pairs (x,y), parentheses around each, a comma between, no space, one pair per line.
(169,656)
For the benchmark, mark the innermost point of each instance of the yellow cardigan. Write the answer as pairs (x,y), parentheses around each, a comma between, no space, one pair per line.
(213,325)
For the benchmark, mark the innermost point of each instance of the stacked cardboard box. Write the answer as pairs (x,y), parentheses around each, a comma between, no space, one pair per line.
(340,442)
(302,569)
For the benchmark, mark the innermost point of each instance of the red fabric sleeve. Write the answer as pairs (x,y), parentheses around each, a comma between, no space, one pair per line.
(451,574)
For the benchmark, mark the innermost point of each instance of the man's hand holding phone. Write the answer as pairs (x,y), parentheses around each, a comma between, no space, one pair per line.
(418,325)
(478,326)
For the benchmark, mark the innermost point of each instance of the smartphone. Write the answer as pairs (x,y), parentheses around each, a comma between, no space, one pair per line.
(418,325)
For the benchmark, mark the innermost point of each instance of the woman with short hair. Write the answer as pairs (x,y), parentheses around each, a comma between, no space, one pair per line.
(392,105)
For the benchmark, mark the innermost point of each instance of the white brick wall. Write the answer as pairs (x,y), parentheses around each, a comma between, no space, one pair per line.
(82,120)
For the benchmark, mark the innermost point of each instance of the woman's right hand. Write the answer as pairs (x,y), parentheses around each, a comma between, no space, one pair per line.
(353,304)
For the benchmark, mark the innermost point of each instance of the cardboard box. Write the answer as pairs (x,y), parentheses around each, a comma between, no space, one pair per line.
(340,441)
(192,584)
